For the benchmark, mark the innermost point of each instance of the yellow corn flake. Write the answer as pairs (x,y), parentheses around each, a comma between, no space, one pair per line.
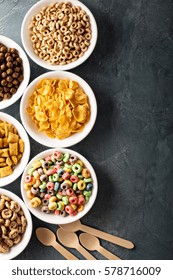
(59,108)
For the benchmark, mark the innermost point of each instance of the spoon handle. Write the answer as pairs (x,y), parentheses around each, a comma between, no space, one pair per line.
(107,254)
(108,237)
(85,253)
(64,252)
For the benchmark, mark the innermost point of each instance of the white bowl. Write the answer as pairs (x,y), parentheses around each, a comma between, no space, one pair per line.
(26,70)
(18,248)
(52,218)
(18,169)
(25,35)
(32,128)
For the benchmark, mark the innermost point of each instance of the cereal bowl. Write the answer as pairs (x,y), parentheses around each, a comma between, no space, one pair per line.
(15,250)
(19,167)
(26,73)
(40,136)
(66,201)
(38,57)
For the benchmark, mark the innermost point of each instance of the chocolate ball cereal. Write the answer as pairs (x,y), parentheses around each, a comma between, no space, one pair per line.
(60,33)
(11,72)
(12,223)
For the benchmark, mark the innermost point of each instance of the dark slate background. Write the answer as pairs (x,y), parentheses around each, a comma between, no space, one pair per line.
(131,144)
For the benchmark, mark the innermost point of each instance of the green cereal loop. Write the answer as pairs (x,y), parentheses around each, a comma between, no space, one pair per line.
(88,180)
(87,199)
(71,173)
(50,162)
(66,157)
(75,186)
(59,196)
(43,186)
(59,206)
(65,200)
(87,193)
(69,166)
(80,176)
(31,170)
(42,160)
(55,177)
(50,178)
(77,168)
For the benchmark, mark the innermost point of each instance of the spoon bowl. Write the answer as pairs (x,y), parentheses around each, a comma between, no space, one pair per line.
(92,243)
(70,239)
(48,238)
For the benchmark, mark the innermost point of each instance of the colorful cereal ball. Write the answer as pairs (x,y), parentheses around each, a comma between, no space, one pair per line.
(59,183)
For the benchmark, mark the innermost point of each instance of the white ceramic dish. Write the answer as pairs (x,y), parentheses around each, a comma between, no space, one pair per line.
(18,169)
(18,248)
(41,137)
(52,218)
(26,68)
(28,44)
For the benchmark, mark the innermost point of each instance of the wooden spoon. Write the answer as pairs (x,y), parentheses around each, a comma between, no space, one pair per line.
(90,242)
(70,239)
(48,238)
(77,225)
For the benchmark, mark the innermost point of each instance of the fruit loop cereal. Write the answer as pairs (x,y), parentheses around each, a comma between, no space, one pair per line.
(12,223)
(59,184)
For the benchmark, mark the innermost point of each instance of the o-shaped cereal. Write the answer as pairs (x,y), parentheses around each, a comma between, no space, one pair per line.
(81,185)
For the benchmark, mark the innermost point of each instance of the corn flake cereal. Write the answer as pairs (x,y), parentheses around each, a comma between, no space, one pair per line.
(11,148)
(59,108)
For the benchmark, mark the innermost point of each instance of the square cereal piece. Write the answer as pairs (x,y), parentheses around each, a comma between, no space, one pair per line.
(14,159)
(12,138)
(5,171)
(9,161)
(4,152)
(2,159)
(13,149)
(5,142)
(19,156)
(1,142)
(3,164)
(21,146)
(8,128)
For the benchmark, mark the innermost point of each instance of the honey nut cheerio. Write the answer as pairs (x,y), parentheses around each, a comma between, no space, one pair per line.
(11,148)
(12,223)
(59,108)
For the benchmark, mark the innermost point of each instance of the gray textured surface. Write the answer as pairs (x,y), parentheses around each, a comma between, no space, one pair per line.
(131,144)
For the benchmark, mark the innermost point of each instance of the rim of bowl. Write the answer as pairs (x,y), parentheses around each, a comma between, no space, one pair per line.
(41,137)
(18,248)
(29,49)
(26,66)
(25,157)
(60,220)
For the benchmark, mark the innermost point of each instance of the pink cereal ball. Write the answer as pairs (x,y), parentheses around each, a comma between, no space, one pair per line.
(73,200)
(50,185)
(74,179)
(69,209)
(28,179)
(66,176)
(47,196)
(69,192)
(74,213)
(81,200)
(51,171)
(57,212)
(48,158)
(57,167)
